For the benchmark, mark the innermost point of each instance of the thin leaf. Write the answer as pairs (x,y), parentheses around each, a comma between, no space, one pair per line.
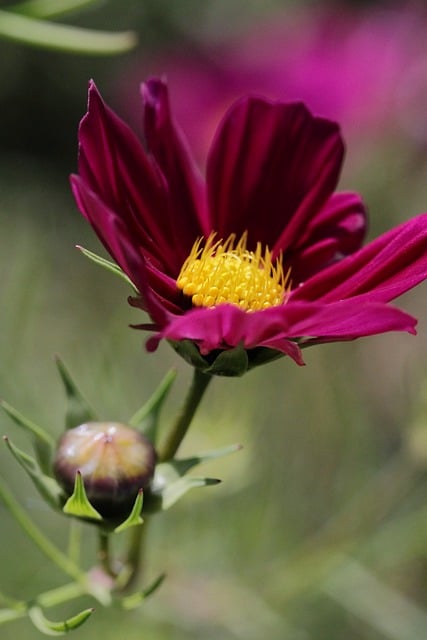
(50,8)
(78,504)
(50,628)
(136,599)
(147,418)
(60,37)
(43,441)
(46,486)
(78,409)
(106,264)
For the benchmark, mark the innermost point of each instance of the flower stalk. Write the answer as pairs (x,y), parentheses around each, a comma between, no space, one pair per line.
(177,433)
(104,554)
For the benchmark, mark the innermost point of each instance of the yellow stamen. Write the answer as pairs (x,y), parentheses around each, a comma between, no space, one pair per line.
(223,272)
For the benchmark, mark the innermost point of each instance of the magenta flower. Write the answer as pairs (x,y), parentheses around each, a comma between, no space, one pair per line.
(260,258)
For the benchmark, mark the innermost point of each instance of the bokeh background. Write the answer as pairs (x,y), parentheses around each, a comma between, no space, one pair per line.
(319,529)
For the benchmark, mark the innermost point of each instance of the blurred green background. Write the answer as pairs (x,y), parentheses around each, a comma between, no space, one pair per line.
(319,529)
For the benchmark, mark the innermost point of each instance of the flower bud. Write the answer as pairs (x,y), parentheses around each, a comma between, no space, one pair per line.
(114,460)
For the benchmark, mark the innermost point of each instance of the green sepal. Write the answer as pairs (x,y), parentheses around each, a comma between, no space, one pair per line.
(231,363)
(42,440)
(189,351)
(262,355)
(146,419)
(50,628)
(106,264)
(78,504)
(228,362)
(48,488)
(136,599)
(185,464)
(78,409)
(134,517)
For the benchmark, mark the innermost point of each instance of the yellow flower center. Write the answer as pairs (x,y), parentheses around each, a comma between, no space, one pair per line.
(226,272)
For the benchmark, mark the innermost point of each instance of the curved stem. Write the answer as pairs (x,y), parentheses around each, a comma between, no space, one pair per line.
(179,428)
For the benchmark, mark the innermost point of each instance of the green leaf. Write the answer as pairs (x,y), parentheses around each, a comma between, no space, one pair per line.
(46,486)
(60,37)
(175,491)
(78,409)
(134,517)
(147,418)
(168,473)
(49,8)
(106,264)
(42,440)
(50,628)
(78,504)
(135,599)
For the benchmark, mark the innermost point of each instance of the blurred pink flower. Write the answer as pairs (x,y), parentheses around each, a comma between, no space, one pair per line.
(360,67)
(261,255)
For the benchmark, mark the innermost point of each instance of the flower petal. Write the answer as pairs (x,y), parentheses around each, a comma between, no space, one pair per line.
(115,237)
(272,166)
(186,188)
(227,326)
(114,165)
(337,231)
(379,272)
(346,320)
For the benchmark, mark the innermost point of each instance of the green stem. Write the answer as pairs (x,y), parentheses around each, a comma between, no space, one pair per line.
(134,556)
(104,555)
(179,428)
